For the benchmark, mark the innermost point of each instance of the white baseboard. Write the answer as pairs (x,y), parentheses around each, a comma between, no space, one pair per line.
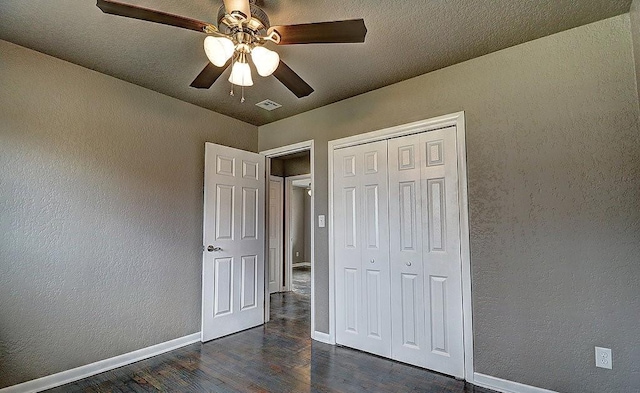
(301,264)
(68,376)
(322,337)
(505,386)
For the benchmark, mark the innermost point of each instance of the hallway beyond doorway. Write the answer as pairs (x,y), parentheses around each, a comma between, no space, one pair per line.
(302,280)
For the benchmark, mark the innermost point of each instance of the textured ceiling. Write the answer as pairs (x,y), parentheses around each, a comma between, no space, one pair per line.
(405,39)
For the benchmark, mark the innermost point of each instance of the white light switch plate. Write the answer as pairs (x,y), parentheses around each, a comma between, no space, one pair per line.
(604,359)
(321,222)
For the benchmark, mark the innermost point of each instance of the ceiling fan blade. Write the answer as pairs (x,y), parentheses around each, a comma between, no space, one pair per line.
(132,11)
(341,31)
(241,6)
(208,76)
(292,81)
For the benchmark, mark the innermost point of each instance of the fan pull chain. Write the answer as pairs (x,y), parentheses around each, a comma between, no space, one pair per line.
(242,89)
(232,61)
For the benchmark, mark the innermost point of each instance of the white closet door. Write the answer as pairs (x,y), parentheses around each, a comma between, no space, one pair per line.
(407,272)
(361,248)
(426,276)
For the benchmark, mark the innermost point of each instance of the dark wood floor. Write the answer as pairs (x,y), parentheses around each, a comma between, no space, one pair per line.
(276,357)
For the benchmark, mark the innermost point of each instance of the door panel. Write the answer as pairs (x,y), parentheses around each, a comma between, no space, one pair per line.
(224,212)
(436,214)
(223,284)
(249,213)
(438,316)
(443,265)
(276,235)
(351,291)
(233,259)
(374,319)
(410,317)
(350,217)
(406,246)
(371,211)
(362,253)
(374,216)
(407,205)
(249,288)
(429,161)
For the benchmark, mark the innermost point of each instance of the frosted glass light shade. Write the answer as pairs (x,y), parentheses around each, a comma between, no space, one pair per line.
(241,74)
(218,50)
(266,60)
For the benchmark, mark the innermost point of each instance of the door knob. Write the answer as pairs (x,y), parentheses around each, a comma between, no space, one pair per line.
(408,263)
(373,261)
(211,248)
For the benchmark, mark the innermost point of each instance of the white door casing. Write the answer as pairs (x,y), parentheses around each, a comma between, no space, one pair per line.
(426,266)
(276,218)
(361,248)
(233,237)
(285,150)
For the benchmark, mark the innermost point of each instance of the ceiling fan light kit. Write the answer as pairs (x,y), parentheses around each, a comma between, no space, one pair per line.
(243,30)
(265,60)
(218,50)
(240,72)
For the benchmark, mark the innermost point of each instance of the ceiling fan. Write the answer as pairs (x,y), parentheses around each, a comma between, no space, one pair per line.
(242,31)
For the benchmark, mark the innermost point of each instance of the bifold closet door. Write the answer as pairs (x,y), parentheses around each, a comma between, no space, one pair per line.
(361,247)
(426,277)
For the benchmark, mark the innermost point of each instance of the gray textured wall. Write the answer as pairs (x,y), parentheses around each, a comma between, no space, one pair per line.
(298,224)
(100,214)
(553,150)
(277,167)
(297,166)
(635,36)
(291,166)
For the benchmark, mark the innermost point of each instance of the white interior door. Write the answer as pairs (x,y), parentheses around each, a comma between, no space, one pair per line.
(361,248)
(426,270)
(233,257)
(276,219)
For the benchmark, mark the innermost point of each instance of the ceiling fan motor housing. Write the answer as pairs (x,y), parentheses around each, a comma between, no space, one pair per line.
(259,22)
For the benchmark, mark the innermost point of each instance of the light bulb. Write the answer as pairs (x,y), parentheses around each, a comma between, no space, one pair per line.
(241,74)
(218,50)
(266,60)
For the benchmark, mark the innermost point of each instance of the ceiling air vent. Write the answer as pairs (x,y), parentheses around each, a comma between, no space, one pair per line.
(268,105)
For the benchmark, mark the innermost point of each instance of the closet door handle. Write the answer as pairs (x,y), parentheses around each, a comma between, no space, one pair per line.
(409,263)
(373,261)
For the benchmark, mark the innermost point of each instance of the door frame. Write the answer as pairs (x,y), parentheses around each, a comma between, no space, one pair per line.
(283,151)
(455,119)
(281,215)
(288,252)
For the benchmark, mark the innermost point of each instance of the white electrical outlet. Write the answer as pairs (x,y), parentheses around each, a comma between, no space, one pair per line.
(297,253)
(604,358)
(321,222)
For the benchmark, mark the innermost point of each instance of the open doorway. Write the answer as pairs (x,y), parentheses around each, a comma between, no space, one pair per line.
(290,228)
(298,229)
